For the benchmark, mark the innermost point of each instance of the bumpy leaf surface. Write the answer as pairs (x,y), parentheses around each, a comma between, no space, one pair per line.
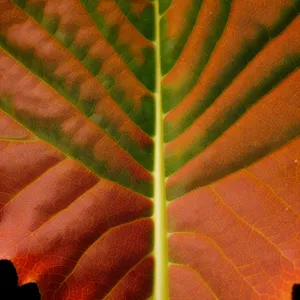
(150,149)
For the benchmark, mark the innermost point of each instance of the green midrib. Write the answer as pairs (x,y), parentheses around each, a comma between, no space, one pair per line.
(160,219)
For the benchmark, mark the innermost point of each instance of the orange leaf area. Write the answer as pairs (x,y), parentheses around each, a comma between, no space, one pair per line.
(238,238)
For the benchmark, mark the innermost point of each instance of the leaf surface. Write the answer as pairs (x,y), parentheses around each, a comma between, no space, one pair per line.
(150,149)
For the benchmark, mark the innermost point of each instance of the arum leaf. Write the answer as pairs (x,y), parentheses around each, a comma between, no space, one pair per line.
(150,149)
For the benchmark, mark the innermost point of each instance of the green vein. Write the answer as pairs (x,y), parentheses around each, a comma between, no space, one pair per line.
(87,106)
(110,33)
(52,135)
(277,75)
(173,95)
(142,157)
(142,23)
(141,118)
(164,5)
(243,162)
(248,52)
(172,48)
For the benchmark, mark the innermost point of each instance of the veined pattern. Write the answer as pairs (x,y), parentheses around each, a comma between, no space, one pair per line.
(143,138)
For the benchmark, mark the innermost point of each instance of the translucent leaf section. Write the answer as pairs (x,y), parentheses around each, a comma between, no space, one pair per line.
(76,126)
(232,127)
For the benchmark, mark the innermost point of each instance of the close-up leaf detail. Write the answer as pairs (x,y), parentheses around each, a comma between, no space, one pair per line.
(151,149)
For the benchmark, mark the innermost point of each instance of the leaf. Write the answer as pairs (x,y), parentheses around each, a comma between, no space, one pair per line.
(150,149)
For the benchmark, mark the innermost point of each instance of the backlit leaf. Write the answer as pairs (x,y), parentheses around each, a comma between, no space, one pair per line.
(150,149)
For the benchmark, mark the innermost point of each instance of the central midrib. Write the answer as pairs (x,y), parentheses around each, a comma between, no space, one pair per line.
(160,219)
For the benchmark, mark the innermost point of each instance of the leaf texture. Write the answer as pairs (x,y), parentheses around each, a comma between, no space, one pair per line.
(150,149)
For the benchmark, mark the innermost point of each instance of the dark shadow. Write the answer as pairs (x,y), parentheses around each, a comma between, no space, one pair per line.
(9,288)
(296,292)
